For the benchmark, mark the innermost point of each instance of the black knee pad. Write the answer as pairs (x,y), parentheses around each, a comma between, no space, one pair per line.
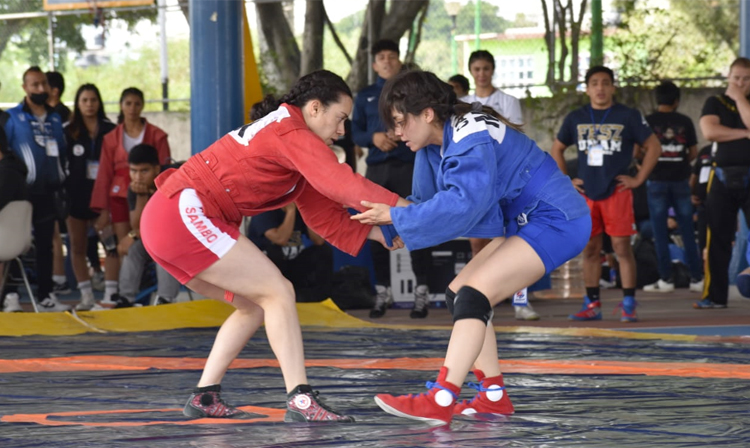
(450,299)
(471,304)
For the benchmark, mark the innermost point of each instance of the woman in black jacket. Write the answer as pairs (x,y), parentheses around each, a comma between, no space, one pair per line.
(84,134)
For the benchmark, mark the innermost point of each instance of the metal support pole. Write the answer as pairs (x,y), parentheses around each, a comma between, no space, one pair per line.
(477,23)
(744,29)
(216,84)
(597,40)
(454,48)
(51,41)
(162,17)
(370,36)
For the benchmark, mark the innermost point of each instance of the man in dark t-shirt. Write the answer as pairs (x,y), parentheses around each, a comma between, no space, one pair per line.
(668,187)
(725,119)
(605,133)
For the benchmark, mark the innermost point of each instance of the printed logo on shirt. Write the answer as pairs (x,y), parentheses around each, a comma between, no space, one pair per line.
(673,143)
(198,220)
(246,133)
(608,136)
(471,123)
(78,150)
(200,226)
(370,99)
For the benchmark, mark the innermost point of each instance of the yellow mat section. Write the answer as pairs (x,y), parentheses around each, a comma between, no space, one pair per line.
(46,324)
(212,313)
(195,314)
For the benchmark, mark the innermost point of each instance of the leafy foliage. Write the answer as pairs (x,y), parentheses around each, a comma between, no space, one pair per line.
(653,43)
(31,34)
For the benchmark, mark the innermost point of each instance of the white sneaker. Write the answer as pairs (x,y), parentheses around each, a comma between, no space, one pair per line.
(659,286)
(10,304)
(526,313)
(50,304)
(87,302)
(696,286)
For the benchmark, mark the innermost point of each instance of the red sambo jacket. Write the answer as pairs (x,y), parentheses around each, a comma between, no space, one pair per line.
(274,161)
(113,178)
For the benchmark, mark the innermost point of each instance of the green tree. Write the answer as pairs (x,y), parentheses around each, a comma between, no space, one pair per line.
(653,43)
(31,34)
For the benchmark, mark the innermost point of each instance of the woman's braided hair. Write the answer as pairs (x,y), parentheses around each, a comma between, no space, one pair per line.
(414,91)
(321,85)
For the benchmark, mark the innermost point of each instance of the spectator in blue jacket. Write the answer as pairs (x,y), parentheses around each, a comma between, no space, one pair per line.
(390,164)
(35,134)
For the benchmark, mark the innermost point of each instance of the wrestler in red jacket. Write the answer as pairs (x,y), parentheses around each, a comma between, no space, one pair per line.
(191,228)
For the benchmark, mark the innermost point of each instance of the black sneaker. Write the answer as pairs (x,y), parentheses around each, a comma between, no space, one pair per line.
(206,402)
(303,405)
(121,301)
(61,288)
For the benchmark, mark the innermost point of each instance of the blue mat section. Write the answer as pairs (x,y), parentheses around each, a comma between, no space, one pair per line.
(551,410)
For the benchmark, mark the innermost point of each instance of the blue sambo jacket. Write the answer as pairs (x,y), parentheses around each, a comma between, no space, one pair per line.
(481,180)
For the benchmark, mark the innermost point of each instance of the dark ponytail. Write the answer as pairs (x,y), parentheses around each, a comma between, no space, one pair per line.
(129,91)
(414,91)
(321,85)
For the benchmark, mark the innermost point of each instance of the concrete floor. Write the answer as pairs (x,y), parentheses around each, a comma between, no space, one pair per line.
(655,310)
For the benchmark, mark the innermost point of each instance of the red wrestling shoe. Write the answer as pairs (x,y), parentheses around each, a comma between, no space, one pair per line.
(434,406)
(491,399)
(591,310)
(303,405)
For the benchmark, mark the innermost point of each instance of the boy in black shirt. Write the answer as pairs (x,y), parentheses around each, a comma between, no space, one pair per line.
(668,187)
(144,167)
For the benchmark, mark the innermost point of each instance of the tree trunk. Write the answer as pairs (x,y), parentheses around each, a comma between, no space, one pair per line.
(280,55)
(391,26)
(336,38)
(400,17)
(312,39)
(185,7)
(562,28)
(575,34)
(415,38)
(357,78)
(549,42)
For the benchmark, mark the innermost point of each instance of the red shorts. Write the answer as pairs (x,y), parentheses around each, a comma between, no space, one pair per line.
(181,238)
(613,215)
(119,210)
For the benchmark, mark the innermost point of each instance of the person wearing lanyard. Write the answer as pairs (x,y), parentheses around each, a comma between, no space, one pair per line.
(605,133)
(84,135)
(35,135)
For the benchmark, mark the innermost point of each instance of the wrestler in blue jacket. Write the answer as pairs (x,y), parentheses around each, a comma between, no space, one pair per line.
(476,174)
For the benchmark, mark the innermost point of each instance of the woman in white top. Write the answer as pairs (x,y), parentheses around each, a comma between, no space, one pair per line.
(482,67)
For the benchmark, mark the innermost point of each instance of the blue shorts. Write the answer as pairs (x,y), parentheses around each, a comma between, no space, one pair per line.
(554,237)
